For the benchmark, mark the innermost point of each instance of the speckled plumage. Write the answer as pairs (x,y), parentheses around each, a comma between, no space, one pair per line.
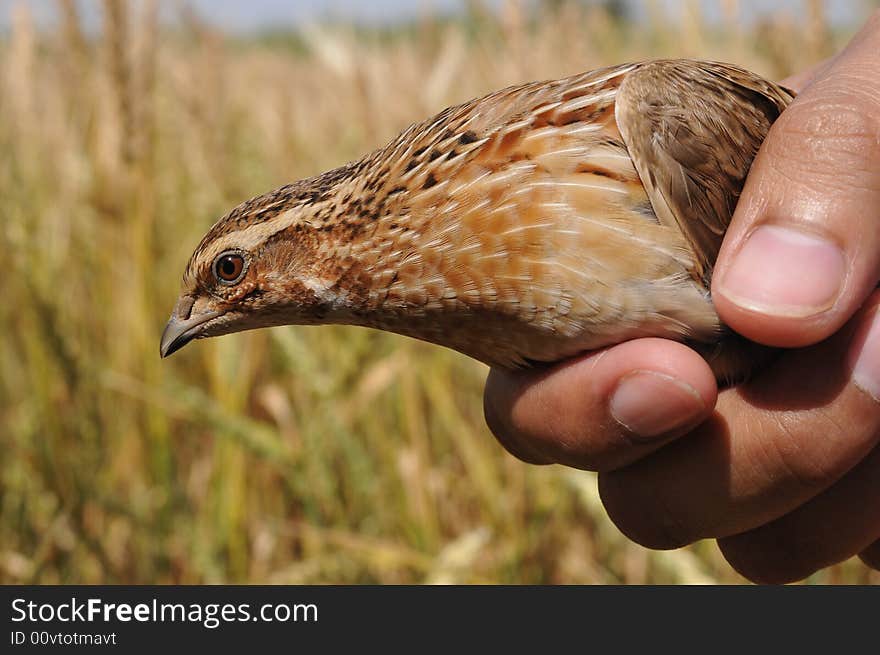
(527,226)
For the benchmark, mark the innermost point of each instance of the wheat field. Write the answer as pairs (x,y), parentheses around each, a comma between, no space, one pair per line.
(291,455)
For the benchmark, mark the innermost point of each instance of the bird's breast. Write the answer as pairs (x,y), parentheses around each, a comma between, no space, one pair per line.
(536,243)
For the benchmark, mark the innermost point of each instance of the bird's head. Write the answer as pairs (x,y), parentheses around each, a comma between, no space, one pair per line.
(263,264)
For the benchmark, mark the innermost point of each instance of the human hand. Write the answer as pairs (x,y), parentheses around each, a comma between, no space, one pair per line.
(784,471)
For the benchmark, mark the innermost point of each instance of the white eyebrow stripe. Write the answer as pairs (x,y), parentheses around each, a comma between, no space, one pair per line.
(250,237)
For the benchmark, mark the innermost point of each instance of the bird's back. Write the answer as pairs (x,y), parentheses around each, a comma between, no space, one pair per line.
(529,225)
(522,230)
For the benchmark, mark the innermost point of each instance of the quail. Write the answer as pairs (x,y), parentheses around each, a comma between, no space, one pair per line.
(524,227)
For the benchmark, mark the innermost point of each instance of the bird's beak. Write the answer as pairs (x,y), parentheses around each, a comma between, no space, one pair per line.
(183,326)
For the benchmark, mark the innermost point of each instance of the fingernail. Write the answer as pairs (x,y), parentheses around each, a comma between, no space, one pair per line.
(866,371)
(649,404)
(784,272)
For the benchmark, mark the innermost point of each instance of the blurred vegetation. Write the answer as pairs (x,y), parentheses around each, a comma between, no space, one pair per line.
(293,455)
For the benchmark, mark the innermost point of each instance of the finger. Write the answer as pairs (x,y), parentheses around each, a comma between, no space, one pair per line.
(522,449)
(803,250)
(602,410)
(871,555)
(798,81)
(772,444)
(832,527)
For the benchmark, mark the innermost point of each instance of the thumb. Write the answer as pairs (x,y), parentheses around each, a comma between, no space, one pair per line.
(803,249)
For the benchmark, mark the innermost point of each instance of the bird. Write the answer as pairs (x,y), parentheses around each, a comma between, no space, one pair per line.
(528,226)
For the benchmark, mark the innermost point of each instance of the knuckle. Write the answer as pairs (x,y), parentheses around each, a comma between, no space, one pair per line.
(786,455)
(497,408)
(510,427)
(835,140)
(493,419)
(496,413)
(641,514)
(589,452)
(871,556)
(507,437)
(783,561)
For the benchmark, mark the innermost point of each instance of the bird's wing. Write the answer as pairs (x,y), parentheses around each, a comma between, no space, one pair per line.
(692,129)
(528,207)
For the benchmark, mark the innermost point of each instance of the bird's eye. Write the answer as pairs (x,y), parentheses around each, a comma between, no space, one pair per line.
(229,267)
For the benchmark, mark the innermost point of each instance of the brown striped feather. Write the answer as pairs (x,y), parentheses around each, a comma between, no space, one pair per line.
(530,225)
